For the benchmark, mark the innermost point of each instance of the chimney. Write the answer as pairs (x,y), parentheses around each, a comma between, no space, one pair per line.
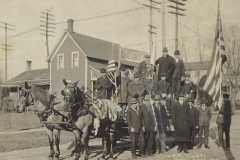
(70,25)
(28,65)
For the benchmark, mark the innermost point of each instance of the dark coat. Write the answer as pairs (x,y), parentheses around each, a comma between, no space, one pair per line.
(135,119)
(161,87)
(122,83)
(161,117)
(187,87)
(104,88)
(135,88)
(226,111)
(204,116)
(148,117)
(181,119)
(166,65)
(179,69)
(195,119)
(142,70)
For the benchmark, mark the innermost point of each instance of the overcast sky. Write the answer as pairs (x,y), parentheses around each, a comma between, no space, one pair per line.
(103,19)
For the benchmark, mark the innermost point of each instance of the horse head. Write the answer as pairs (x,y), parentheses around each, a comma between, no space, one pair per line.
(73,96)
(25,98)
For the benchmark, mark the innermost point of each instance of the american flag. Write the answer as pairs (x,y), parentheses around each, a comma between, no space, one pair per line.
(213,81)
(111,69)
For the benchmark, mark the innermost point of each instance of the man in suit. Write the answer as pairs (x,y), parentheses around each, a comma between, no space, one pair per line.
(178,73)
(195,119)
(189,89)
(142,69)
(162,123)
(166,65)
(149,123)
(204,123)
(103,86)
(122,85)
(136,89)
(136,127)
(181,119)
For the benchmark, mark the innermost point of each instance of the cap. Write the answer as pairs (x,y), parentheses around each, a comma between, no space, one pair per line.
(147,98)
(203,100)
(165,49)
(103,70)
(180,94)
(177,52)
(133,101)
(122,68)
(225,94)
(163,74)
(147,56)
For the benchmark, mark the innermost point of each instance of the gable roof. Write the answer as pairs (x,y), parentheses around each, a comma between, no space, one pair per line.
(194,66)
(38,76)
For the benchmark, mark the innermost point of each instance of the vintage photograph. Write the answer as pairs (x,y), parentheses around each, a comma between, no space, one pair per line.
(119,80)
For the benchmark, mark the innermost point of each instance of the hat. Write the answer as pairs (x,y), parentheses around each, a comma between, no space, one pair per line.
(103,70)
(190,100)
(203,100)
(136,75)
(133,101)
(147,56)
(122,68)
(157,97)
(165,49)
(225,94)
(177,52)
(180,95)
(163,74)
(147,98)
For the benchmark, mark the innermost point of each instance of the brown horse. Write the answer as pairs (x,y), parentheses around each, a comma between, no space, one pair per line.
(41,99)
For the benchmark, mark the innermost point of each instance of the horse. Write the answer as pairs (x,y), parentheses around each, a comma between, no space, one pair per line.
(56,115)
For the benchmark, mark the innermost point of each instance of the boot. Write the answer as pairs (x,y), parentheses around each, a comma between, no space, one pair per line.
(199,142)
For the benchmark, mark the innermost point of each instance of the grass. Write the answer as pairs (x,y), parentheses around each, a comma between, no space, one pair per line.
(11,121)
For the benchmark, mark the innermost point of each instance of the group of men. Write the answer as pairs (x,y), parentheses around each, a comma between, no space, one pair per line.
(147,122)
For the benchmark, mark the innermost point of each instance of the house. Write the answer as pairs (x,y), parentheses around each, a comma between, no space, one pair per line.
(39,77)
(80,57)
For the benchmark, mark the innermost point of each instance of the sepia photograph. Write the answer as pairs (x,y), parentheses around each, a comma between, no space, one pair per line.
(119,80)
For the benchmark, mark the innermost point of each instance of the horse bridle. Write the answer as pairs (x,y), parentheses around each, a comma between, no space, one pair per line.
(26,97)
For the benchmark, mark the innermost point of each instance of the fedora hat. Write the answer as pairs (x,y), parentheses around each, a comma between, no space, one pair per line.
(103,70)
(190,100)
(225,94)
(147,56)
(133,101)
(180,94)
(165,49)
(203,100)
(122,68)
(147,98)
(157,97)
(176,52)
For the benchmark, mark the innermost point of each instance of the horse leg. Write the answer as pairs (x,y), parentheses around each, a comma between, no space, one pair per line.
(84,140)
(50,139)
(78,143)
(56,136)
(111,141)
(75,147)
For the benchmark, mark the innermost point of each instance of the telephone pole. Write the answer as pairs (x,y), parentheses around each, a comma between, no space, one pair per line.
(163,25)
(177,13)
(6,46)
(47,21)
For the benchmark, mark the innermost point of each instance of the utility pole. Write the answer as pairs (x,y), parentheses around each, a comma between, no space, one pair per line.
(6,48)
(47,28)
(163,25)
(177,14)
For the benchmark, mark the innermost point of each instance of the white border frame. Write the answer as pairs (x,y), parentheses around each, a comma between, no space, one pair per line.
(72,53)
(58,55)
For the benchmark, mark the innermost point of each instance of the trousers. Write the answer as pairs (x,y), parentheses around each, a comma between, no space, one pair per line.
(204,129)
(148,136)
(176,85)
(137,138)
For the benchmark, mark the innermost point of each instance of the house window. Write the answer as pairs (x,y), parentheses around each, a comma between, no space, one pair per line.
(74,59)
(60,61)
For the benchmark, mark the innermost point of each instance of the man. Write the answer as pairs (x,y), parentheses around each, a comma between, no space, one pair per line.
(181,119)
(195,119)
(178,73)
(149,123)
(166,65)
(148,79)
(189,88)
(162,123)
(122,86)
(136,90)
(162,88)
(226,112)
(103,86)
(142,69)
(136,127)
(204,123)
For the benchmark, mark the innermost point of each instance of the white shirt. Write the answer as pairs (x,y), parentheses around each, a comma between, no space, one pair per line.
(203,108)
(181,102)
(176,60)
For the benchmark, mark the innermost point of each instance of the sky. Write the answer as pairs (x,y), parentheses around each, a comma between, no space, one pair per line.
(124,22)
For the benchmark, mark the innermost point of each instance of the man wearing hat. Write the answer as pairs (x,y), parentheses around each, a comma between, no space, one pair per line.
(226,112)
(181,119)
(136,89)
(122,86)
(194,125)
(204,123)
(166,65)
(142,69)
(189,89)
(136,127)
(178,73)
(162,123)
(150,126)
(103,86)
